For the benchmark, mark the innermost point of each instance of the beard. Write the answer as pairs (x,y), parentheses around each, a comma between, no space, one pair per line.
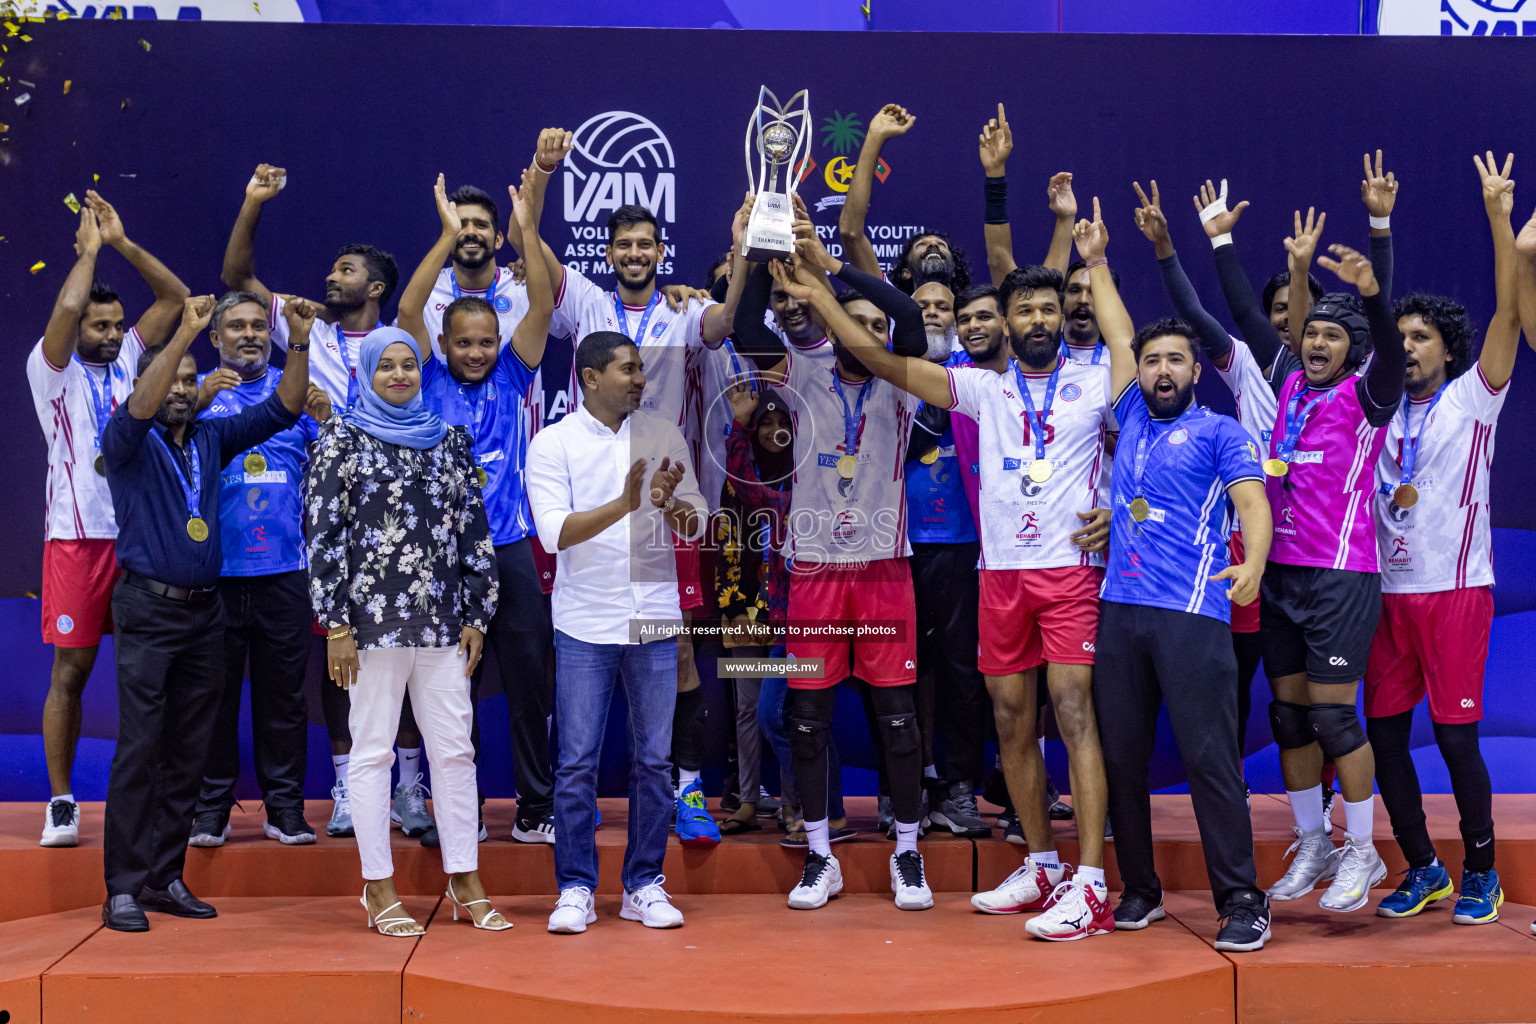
(932,267)
(171,418)
(941,342)
(1166,407)
(472,262)
(345,301)
(987,354)
(1038,354)
(626,275)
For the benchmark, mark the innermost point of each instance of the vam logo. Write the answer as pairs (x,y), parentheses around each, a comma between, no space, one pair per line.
(619,158)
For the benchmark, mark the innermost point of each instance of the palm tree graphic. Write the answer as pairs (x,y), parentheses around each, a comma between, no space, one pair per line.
(843,132)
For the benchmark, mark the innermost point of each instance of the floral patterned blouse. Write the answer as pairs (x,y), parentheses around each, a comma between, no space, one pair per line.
(399,546)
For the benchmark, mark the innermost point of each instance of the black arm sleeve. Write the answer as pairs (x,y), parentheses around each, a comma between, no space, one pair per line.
(907,335)
(753,338)
(1212,336)
(928,426)
(1252,319)
(1381,261)
(1381,389)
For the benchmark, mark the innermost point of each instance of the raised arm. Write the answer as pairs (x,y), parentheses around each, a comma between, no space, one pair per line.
(718,319)
(1064,205)
(996,142)
(64,322)
(418,290)
(1115,326)
(1502,341)
(151,387)
(293,389)
(892,120)
(160,318)
(1379,193)
(532,331)
(908,337)
(1251,317)
(1211,335)
(1299,248)
(553,145)
(239,271)
(753,336)
(1382,384)
(1525,272)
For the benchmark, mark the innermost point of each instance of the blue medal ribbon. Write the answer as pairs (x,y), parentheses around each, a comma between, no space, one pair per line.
(851,420)
(1411,441)
(1294,424)
(101,398)
(1144,450)
(1066,352)
(645,318)
(346,361)
(736,376)
(490,293)
(1037,421)
(191,490)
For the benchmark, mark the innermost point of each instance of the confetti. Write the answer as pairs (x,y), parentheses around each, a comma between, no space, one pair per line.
(11,29)
(73,203)
(124,105)
(5,127)
(30,85)
(39,265)
(25,38)
(95,178)
(23,98)
(144,43)
(67,83)
(256,6)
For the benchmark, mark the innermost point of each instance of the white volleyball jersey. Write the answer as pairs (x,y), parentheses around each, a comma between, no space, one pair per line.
(1093,355)
(79,506)
(1025,524)
(1445,541)
(833,518)
(1257,406)
(332,356)
(506,296)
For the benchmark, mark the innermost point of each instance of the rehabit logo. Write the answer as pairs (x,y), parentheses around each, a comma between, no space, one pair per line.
(619,158)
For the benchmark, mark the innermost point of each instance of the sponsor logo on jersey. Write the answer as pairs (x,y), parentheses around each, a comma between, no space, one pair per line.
(502,304)
(845,528)
(65,624)
(1178,436)
(1071,393)
(1029,527)
(1252,450)
(1400,555)
(1338,662)
(1468,702)
(659,329)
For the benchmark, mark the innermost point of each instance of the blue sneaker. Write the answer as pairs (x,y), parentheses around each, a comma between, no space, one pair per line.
(1419,888)
(1480,899)
(694,825)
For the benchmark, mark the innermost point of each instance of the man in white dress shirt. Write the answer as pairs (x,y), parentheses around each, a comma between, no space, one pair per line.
(608,488)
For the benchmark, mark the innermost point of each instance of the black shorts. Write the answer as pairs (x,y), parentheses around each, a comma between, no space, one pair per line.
(1318,621)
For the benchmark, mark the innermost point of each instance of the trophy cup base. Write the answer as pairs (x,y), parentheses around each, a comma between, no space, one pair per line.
(760,253)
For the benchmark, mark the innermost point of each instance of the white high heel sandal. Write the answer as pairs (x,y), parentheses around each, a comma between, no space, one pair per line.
(505,924)
(381,922)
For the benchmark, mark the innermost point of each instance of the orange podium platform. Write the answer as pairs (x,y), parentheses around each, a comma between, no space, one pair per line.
(290,935)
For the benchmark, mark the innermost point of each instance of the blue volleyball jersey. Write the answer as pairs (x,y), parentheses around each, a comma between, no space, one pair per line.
(500,422)
(1185,466)
(261,514)
(938,511)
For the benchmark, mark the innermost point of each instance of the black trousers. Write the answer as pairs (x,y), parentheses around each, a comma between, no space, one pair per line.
(266,620)
(1148,657)
(170,677)
(947,587)
(522,636)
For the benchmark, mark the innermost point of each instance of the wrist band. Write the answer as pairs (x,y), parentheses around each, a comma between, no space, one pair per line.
(1221,240)
(1381,222)
(338,634)
(1100,262)
(299,348)
(1217,208)
(540,165)
(995,197)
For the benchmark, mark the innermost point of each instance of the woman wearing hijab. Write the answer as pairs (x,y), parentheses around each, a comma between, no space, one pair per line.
(403,577)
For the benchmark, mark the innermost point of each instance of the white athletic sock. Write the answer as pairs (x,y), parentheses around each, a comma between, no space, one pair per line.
(410,762)
(1046,859)
(816,833)
(1093,875)
(930,772)
(906,837)
(339,762)
(1360,818)
(1307,807)
(684,776)
(63,796)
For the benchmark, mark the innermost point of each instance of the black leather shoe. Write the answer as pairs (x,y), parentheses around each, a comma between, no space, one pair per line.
(176,899)
(122,914)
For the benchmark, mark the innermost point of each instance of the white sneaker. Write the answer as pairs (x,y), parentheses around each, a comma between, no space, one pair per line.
(651,906)
(823,879)
(1360,868)
(909,883)
(61,823)
(574,911)
(1029,888)
(1078,909)
(1316,861)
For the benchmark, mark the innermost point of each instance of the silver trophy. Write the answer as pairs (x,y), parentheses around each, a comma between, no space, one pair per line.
(782,134)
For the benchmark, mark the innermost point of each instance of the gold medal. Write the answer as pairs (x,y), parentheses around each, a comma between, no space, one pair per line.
(929,457)
(1140,510)
(1040,471)
(255,464)
(481,477)
(1405,497)
(197,529)
(101,465)
(846,465)
(1276,467)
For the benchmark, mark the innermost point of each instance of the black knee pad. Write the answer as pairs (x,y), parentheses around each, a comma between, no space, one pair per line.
(900,734)
(1336,728)
(807,737)
(1290,725)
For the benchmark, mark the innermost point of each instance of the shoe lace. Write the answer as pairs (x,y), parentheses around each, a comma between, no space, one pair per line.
(1069,898)
(815,864)
(416,794)
(1352,864)
(1413,876)
(339,791)
(909,866)
(652,892)
(577,896)
(61,813)
(1240,913)
(1476,884)
(965,801)
(693,797)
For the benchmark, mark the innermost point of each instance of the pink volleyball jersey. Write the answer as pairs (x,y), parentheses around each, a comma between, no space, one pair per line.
(1322,507)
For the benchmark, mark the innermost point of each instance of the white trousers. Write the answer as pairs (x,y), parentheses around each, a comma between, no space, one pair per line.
(439,689)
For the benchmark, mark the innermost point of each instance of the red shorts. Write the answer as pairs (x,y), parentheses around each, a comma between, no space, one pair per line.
(1245,617)
(874,595)
(1032,616)
(544,562)
(78,577)
(690,592)
(1435,643)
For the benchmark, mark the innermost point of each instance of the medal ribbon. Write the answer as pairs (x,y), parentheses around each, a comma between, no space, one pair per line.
(346,360)
(101,399)
(191,490)
(490,293)
(1294,424)
(1066,353)
(645,318)
(851,421)
(1144,450)
(267,384)
(1411,442)
(1037,421)
(736,376)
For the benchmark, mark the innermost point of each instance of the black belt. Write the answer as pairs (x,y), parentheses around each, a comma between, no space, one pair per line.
(189,595)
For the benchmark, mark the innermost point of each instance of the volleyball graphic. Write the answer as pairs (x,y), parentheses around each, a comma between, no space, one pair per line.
(619,139)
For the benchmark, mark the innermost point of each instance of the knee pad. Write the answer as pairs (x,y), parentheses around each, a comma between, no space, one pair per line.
(808,737)
(900,734)
(1290,725)
(1337,728)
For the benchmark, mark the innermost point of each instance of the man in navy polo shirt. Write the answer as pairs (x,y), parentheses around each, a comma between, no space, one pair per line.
(483,385)
(163,471)
(265,586)
(1164,633)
